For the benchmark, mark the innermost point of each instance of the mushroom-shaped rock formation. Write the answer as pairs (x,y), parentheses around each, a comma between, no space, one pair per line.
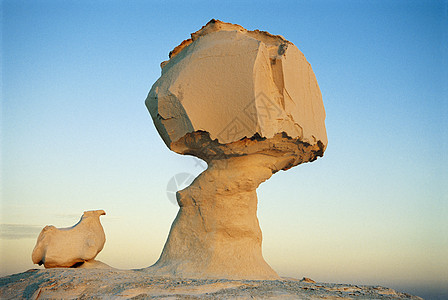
(248,103)
(71,247)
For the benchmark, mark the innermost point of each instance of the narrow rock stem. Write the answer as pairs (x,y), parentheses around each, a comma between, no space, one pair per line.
(216,232)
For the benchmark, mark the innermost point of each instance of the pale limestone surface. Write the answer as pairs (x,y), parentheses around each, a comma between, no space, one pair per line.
(68,247)
(94,264)
(248,103)
(234,83)
(135,284)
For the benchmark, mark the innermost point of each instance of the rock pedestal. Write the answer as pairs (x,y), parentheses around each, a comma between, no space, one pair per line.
(247,103)
(216,232)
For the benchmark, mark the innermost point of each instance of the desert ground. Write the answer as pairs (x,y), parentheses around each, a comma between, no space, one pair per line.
(61,283)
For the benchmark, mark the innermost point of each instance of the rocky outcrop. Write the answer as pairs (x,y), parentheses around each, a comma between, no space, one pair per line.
(248,103)
(73,246)
(234,83)
(134,284)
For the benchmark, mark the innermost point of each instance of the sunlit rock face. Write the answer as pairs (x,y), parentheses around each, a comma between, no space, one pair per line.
(248,103)
(73,246)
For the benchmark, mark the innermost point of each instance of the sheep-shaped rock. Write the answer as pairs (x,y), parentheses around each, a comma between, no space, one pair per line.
(72,246)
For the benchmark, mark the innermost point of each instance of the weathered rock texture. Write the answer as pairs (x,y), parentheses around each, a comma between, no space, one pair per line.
(73,246)
(248,103)
(133,284)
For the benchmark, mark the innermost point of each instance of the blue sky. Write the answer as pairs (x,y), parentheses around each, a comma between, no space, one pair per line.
(76,134)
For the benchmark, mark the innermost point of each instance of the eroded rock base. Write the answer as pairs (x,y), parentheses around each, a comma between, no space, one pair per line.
(216,232)
(93,284)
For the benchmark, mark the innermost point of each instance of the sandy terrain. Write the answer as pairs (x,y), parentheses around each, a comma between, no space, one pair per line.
(137,284)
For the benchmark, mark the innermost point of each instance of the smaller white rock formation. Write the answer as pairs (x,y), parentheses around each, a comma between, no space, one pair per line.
(72,246)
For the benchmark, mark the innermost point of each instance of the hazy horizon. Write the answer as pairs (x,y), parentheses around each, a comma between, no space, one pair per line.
(77,136)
